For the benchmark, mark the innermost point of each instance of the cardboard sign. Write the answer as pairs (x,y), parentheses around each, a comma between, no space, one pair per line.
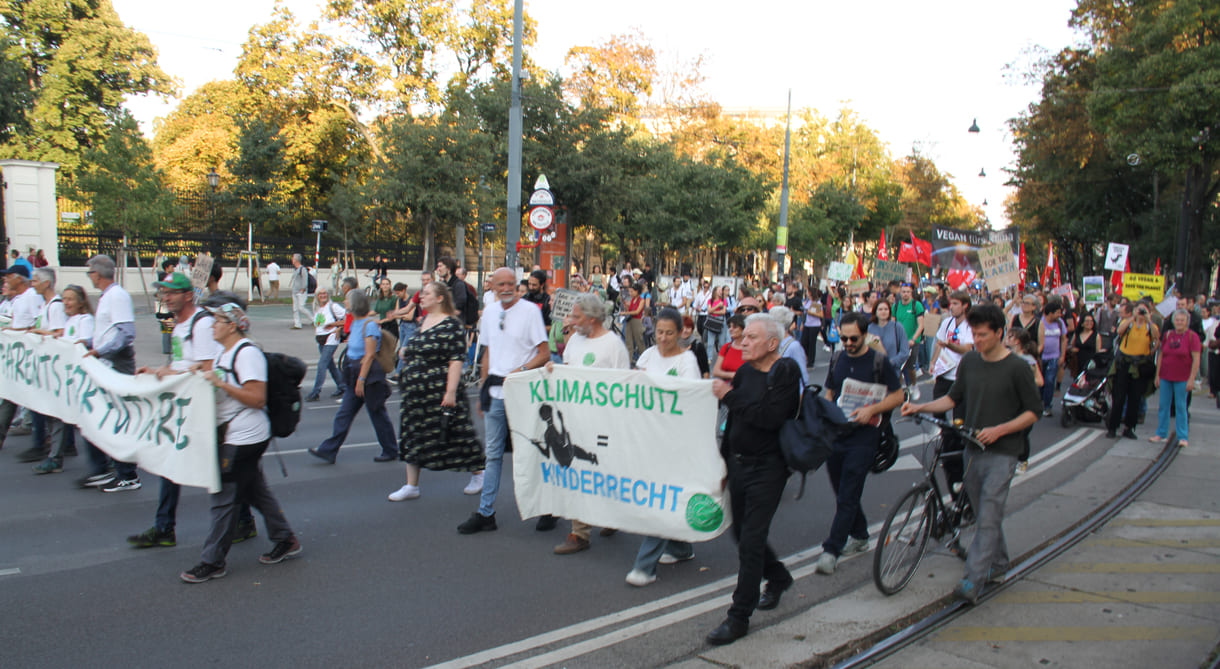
(561,303)
(1094,289)
(885,271)
(1116,257)
(857,286)
(999,266)
(839,271)
(1136,286)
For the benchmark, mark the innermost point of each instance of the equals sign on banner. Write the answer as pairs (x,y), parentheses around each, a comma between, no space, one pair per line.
(603,440)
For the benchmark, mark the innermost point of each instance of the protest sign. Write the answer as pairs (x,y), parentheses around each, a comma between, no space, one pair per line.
(885,271)
(999,266)
(1116,257)
(618,448)
(730,282)
(1136,286)
(857,286)
(199,276)
(561,303)
(839,271)
(957,251)
(1094,289)
(167,426)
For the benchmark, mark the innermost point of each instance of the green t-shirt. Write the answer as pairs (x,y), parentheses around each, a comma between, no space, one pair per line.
(908,315)
(991,393)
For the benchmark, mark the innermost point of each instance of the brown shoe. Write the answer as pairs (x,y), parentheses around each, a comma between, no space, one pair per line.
(608,532)
(573,544)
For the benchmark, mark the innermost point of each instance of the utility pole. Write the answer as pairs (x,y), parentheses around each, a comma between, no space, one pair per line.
(512,231)
(781,235)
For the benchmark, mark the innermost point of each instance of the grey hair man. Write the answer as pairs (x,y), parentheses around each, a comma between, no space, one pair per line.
(789,347)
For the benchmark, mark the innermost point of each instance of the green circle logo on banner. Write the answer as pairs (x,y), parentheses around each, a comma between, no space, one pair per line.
(703,514)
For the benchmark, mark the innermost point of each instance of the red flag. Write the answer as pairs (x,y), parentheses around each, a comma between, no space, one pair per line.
(1116,278)
(859,271)
(1021,265)
(907,253)
(923,250)
(883,253)
(1050,276)
(1157,271)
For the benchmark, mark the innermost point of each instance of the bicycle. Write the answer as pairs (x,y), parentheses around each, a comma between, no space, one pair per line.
(921,514)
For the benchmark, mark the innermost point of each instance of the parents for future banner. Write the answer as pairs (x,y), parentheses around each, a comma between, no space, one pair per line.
(956,252)
(618,448)
(167,427)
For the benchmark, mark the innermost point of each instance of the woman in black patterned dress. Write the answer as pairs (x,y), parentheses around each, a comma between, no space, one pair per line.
(435,431)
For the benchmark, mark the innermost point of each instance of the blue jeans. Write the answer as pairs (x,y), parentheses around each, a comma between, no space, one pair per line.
(99,462)
(1173,392)
(847,467)
(326,363)
(653,548)
(1050,371)
(495,425)
(406,330)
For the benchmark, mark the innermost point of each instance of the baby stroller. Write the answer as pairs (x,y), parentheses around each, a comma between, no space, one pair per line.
(1088,400)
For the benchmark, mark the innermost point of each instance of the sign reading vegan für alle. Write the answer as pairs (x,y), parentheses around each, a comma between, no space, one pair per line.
(618,448)
(167,427)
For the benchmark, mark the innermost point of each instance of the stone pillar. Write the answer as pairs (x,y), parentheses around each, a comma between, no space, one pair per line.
(30,210)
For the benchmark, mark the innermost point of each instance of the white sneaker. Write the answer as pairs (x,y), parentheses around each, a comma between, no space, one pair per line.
(475,486)
(1022,467)
(405,492)
(666,558)
(914,392)
(854,545)
(826,563)
(639,579)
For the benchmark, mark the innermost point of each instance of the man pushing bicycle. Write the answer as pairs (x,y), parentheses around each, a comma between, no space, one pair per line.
(1001,401)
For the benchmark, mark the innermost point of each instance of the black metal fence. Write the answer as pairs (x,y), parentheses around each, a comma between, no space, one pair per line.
(77,243)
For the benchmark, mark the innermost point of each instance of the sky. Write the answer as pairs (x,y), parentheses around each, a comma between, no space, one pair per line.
(918,73)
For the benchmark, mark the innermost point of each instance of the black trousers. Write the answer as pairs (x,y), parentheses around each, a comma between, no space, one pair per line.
(951,443)
(809,339)
(1128,393)
(756,486)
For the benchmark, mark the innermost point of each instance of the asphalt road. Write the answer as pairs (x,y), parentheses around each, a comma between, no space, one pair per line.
(381,583)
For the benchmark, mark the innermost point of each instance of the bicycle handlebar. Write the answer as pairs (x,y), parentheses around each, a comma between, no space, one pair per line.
(969,434)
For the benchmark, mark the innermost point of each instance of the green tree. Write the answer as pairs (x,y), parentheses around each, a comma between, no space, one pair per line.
(80,62)
(122,185)
(17,100)
(259,163)
(615,75)
(201,134)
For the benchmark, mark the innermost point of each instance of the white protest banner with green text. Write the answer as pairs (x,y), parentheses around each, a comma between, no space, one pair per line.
(167,427)
(618,448)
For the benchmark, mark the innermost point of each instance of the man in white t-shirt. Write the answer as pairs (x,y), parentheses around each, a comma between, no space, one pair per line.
(591,345)
(273,279)
(680,295)
(191,344)
(23,309)
(50,320)
(511,330)
(953,340)
(114,336)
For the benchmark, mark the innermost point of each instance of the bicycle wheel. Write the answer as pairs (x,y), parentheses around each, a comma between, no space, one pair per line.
(904,538)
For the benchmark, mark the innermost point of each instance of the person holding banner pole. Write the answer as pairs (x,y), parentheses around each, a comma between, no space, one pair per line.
(24,305)
(78,327)
(591,345)
(667,358)
(514,337)
(764,393)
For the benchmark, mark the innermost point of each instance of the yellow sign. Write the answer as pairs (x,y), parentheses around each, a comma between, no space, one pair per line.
(1136,286)
(781,240)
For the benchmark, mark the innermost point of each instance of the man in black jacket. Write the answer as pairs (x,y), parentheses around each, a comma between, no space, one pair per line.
(446,272)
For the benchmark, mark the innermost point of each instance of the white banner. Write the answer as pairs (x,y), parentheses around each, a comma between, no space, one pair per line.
(618,448)
(167,427)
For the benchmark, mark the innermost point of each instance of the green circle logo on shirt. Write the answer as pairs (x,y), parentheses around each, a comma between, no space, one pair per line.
(703,514)
(589,359)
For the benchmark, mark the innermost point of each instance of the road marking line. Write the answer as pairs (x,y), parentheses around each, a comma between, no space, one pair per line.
(10,572)
(622,634)
(1167,522)
(1107,596)
(993,634)
(1060,457)
(306,450)
(1160,543)
(1132,568)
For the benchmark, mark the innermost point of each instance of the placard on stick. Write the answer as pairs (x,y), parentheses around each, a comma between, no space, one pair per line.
(885,271)
(561,303)
(999,267)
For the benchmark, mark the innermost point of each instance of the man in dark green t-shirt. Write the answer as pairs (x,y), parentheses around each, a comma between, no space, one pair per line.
(1000,401)
(908,311)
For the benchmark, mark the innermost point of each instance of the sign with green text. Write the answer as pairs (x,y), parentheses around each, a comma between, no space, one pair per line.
(166,426)
(618,448)
(885,271)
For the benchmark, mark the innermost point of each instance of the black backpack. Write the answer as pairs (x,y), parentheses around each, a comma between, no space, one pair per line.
(311,282)
(284,376)
(470,310)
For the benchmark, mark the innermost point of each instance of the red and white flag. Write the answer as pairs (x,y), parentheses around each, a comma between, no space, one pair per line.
(883,253)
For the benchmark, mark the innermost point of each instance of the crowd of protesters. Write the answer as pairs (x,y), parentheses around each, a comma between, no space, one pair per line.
(757,341)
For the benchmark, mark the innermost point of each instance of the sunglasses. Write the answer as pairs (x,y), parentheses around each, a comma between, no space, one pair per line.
(851,339)
(743,309)
(503,314)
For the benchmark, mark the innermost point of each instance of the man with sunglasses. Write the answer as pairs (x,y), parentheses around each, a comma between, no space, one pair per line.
(855,451)
(747,306)
(953,340)
(515,340)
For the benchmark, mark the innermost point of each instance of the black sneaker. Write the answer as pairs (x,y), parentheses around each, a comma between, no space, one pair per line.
(546,523)
(152,537)
(338,393)
(245,531)
(477,522)
(32,454)
(1130,434)
(281,551)
(203,572)
(121,485)
(312,397)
